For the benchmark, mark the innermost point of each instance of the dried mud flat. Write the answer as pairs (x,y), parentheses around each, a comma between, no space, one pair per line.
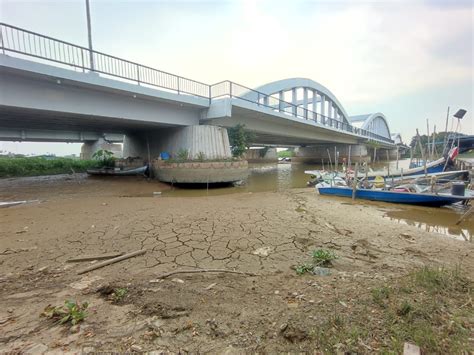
(263,233)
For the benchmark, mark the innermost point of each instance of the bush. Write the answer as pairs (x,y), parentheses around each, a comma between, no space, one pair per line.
(34,166)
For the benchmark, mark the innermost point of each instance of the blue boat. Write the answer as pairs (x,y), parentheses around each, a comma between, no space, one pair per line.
(433,167)
(410,198)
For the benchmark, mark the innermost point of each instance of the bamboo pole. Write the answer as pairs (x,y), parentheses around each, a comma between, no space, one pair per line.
(330,162)
(111,261)
(354,182)
(349,158)
(465,215)
(428,138)
(335,158)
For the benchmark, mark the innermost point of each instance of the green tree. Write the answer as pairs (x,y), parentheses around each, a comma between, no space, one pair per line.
(239,139)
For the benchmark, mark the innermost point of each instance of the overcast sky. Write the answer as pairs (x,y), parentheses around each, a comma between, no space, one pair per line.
(407,59)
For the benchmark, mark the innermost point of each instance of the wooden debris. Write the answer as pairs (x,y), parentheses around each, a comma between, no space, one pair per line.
(94,257)
(111,261)
(165,275)
(411,349)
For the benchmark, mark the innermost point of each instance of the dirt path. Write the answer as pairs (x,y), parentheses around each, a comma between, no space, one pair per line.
(264,233)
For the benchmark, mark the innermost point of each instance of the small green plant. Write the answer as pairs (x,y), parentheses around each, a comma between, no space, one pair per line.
(303,268)
(201,156)
(380,294)
(72,312)
(118,294)
(239,139)
(323,257)
(182,155)
(404,308)
(320,257)
(105,157)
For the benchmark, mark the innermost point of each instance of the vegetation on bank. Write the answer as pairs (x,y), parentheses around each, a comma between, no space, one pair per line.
(430,307)
(34,166)
(285,153)
(239,139)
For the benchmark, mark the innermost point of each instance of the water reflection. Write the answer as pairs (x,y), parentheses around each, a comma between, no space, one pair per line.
(435,220)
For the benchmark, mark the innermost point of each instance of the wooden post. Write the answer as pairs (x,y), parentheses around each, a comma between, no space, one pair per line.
(375,153)
(349,158)
(322,163)
(111,261)
(398,156)
(330,162)
(335,158)
(428,138)
(465,215)
(354,182)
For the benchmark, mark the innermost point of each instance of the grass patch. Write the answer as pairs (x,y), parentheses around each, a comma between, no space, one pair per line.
(35,166)
(430,307)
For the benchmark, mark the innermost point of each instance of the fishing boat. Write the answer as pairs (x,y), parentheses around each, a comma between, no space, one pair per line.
(142,170)
(395,196)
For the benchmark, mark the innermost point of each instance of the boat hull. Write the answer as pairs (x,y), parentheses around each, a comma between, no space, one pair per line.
(408,198)
(111,172)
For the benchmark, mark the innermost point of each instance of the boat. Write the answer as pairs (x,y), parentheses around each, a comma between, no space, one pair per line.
(403,197)
(436,166)
(142,170)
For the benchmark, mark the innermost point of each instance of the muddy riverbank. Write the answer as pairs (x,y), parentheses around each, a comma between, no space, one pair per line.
(266,233)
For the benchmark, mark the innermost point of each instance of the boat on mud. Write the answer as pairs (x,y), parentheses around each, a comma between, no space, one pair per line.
(396,196)
(142,170)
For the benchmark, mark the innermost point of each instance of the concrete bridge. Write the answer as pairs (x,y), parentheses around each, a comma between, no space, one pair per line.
(52,90)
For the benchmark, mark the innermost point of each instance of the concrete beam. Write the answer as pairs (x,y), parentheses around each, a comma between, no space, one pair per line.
(38,135)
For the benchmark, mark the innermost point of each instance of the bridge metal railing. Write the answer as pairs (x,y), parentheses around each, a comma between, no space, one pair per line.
(17,40)
(24,42)
(237,91)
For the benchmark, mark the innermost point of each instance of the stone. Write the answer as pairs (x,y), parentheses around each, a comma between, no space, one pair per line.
(179,281)
(321,271)
(136,348)
(36,349)
(277,292)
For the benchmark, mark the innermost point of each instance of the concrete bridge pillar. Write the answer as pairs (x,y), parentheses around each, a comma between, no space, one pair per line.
(202,142)
(319,153)
(90,147)
(305,102)
(262,155)
(281,97)
(323,106)
(315,105)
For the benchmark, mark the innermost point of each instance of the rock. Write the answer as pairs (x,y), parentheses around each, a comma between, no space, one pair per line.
(36,349)
(179,281)
(75,328)
(293,333)
(264,251)
(136,348)
(321,271)
(283,327)
(277,292)
(42,268)
(88,350)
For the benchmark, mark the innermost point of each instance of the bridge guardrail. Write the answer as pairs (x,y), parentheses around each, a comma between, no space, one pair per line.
(237,91)
(24,42)
(32,44)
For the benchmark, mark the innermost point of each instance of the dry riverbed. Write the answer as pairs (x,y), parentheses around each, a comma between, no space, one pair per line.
(390,283)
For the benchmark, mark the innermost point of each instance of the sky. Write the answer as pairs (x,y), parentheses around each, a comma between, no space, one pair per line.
(407,59)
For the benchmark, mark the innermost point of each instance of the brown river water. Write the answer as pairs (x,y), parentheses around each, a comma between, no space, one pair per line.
(262,177)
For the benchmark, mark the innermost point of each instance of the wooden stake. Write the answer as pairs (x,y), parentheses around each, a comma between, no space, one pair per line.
(465,215)
(330,162)
(354,182)
(349,158)
(111,261)
(94,257)
(165,275)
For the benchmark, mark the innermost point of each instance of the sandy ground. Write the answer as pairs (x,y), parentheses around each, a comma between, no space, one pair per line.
(262,233)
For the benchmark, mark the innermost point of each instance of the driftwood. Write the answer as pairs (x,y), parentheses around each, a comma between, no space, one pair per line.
(94,257)
(111,261)
(165,275)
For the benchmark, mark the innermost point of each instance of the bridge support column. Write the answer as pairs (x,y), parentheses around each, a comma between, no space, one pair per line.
(199,142)
(305,103)
(315,105)
(323,107)
(263,155)
(319,153)
(90,147)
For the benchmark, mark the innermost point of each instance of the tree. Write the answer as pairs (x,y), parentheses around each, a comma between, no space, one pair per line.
(239,139)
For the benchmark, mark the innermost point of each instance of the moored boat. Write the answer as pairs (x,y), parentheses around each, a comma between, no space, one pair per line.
(411,198)
(142,170)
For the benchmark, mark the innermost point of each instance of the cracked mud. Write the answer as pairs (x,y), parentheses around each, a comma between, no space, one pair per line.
(264,233)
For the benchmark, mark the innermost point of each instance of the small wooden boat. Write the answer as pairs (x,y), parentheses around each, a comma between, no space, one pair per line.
(142,170)
(410,198)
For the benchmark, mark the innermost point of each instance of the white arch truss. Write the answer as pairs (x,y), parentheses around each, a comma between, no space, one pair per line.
(373,122)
